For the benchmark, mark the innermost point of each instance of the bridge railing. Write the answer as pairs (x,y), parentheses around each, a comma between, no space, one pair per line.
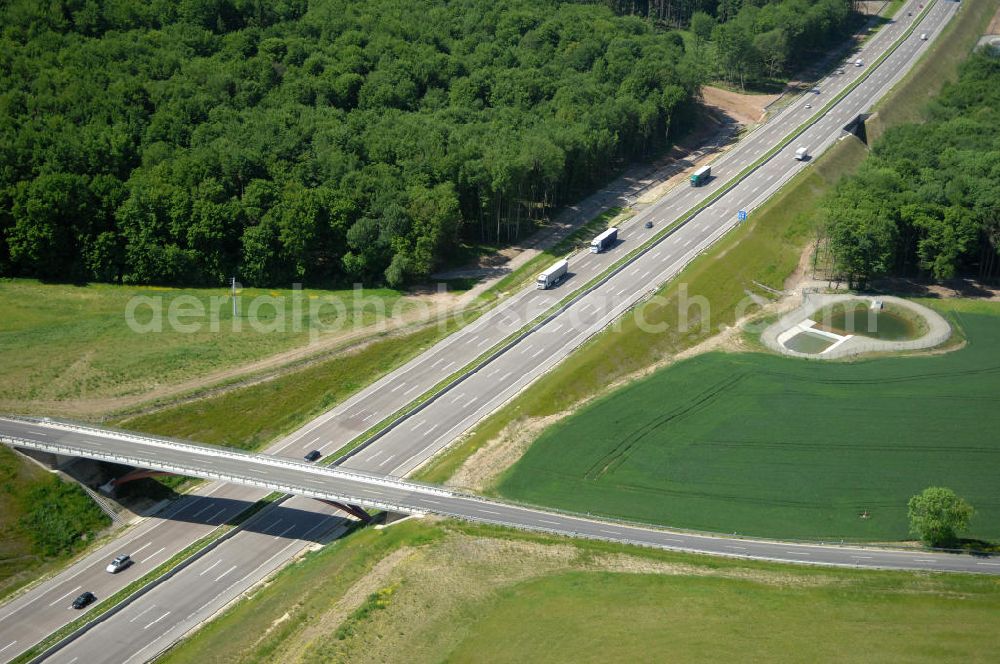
(228,452)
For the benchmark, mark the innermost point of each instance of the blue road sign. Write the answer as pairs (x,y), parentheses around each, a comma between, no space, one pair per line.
(742,215)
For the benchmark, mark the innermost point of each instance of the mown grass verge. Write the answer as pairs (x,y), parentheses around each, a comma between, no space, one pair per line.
(766,249)
(250,417)
(447,591)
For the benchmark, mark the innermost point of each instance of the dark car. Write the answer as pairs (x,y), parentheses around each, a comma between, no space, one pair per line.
(119,563)
(83,600)
(313,456)
(649,224)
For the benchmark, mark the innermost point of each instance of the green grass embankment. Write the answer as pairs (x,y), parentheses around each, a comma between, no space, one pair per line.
(448,592)
(43,520)
(250,417)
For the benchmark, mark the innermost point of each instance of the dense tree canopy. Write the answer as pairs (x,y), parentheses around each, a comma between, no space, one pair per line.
(183,141)
(927,200)
(750,40)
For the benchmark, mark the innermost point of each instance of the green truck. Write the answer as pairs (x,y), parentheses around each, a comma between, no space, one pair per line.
(700,176)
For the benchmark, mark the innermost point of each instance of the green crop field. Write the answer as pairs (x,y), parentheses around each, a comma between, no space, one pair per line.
(772,446)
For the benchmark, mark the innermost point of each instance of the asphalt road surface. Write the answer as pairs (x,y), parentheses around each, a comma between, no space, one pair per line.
(399,495)
(40,611)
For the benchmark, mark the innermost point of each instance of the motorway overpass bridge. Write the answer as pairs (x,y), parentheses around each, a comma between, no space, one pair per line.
(392,494)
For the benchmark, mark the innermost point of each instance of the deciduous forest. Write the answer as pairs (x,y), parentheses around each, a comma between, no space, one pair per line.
(927,201)
(338,141)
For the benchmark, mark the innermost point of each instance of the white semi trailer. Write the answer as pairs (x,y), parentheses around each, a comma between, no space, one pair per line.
(801,154)
(553,275)
(603,241)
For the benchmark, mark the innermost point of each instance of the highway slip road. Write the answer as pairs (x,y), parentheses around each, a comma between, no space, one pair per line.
(38,612)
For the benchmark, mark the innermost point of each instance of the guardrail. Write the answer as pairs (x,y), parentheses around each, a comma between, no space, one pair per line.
(234,478)
(230,453)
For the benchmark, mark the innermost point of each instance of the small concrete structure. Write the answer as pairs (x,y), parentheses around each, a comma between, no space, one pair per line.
(799,322)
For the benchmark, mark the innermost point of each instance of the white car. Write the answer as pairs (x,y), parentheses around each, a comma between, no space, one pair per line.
(923,35)
(119,563)
(859,63)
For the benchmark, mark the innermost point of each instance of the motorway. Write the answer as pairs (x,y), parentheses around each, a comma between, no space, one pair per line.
(404,447)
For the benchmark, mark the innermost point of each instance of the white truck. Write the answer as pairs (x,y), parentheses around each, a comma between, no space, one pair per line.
(553,275)
(801,154)
(603,241)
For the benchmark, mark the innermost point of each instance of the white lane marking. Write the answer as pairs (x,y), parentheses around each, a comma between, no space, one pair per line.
(688,242)
(554,523)
(398,387)
(738,548)
(479,509)
(556,327)
(158,552)
(220,577)
(429,500)
(418,424)
(671,539)
(473,400)
(990,564)
(65,596)
(462,394)
(798,553)
(622,291)
(412,389)
(540,351)
(313,441)
(276,522)
(387,460)
(923,560)
(289,528)
(448,366)
(8,646)
(505,376)
(142,613)
(483,342)
(141,548)
(645,275)
(610,532)
(210,520)
(366,417)
(526,347)
(157,620)
(37,433)
(862,557)
(432,429)
(379,452)
(203,509)
(211,567)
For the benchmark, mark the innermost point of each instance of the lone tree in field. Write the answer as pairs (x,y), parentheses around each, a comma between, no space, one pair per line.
(937,514)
